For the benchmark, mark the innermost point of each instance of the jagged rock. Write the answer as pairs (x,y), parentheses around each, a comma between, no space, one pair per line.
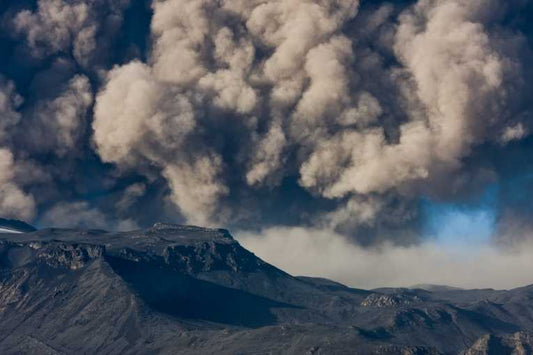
(405,350)
(378,300)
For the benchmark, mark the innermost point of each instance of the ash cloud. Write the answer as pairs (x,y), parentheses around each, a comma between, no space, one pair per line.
(14,202)
(289,73)
(80,28)
(323,253)
(209,70)
(81,215)
(345,114)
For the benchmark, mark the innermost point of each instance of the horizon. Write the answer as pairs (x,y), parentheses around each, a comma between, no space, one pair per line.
(390,141)
(274,246)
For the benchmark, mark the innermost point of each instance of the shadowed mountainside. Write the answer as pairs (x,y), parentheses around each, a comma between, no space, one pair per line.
(194,290)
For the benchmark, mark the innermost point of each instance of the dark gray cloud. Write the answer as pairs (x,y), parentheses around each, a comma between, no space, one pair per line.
(81,215)
(345,114)
(80,28)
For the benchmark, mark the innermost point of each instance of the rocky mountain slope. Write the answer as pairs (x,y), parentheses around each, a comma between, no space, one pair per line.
(190,290)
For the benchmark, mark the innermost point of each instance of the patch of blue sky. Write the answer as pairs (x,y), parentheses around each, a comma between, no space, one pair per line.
(470,223)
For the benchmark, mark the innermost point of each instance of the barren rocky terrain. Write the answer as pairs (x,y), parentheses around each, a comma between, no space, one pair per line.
(190,290)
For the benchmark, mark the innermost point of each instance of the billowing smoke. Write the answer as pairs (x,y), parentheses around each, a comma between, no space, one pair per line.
(59,124)
(255,65)
(332,114)
(80,28)
(290,76)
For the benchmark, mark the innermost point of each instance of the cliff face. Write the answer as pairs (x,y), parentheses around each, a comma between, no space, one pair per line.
(185,289)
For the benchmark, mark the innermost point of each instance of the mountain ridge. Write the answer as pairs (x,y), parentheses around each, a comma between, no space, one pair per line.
(96,291)
(14,225)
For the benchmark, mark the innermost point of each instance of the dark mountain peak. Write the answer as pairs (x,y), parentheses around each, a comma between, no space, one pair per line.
(186,249)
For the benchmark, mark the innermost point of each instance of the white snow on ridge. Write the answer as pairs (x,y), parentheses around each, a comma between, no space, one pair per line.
(6,230)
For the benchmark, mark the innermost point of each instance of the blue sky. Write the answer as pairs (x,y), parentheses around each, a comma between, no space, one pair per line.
(462,224)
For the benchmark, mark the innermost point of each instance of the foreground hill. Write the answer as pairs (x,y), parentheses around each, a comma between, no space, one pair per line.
(190,290)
